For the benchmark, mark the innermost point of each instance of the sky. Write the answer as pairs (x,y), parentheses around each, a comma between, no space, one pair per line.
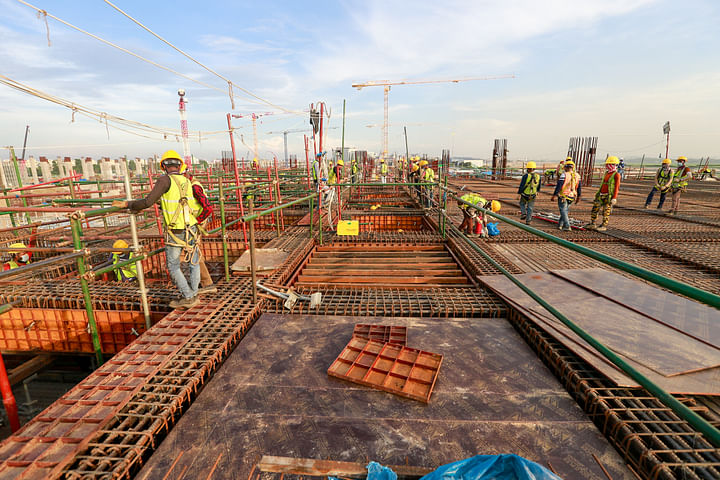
(615,69)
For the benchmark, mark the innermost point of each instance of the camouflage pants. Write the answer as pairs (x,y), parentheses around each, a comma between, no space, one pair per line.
(601,201)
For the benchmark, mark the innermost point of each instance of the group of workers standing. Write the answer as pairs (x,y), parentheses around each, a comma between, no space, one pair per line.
(568,190)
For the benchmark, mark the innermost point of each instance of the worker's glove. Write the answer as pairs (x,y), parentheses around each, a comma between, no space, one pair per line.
(613,201)
(120,203)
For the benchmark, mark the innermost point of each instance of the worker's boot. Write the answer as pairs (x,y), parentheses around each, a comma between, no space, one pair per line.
(184,303)
(601,228)
(590,226)
(210,289)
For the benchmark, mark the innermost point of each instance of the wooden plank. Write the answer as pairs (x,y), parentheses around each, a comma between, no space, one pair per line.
(323,468)
(352,279)
(23,371)
(382,248)
(403,272)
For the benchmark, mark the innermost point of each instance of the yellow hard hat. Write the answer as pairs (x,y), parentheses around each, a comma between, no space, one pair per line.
(340,162)
(530,165)
(568,158)
(415,167)
(120,244)
(682,159)
(612,160)
(18,245)
(495,206)
(423,163)
(382,160)
(569,163)
(667,161)
(171,158)
(255,160)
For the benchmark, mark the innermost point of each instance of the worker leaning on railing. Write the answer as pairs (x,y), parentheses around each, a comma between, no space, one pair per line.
(174,192)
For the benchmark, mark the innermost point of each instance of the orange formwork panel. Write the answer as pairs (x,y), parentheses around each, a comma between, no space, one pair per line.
(374,223)
(397,369)
(67,330)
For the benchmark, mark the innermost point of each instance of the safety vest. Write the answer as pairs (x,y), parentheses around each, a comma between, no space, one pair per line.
(130,270)
(383,169)
(333,176)
(610,182)
(569,188)
(429,175)
(662,176)
(14,264)
(176,203)
(354,168)
(531,185)
(680,177)
(315,168)
(474,199)
(195,206)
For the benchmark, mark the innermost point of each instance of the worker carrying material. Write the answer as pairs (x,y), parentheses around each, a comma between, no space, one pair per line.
(127,273)
(606,196)
(663,181)
(383,171)
(567,191)
(679,184)
(174,192)
(202,210)
(527,191)
(474,220)
(20,257)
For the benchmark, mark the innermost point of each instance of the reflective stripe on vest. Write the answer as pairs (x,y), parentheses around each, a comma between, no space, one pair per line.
(130,270)
(569,188)
(176,203)
(531,186)
(383,169)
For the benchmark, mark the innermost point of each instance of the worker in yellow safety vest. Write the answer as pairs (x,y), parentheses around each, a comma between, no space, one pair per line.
(383,171)
(174,192)
(567,191)
(20,257)
(679,184)
(427,175)
(475,220)
(663,181)
(527,191)
(126,273)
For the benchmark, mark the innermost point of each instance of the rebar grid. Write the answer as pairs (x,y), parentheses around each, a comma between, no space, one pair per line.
(397,302)
(651,438)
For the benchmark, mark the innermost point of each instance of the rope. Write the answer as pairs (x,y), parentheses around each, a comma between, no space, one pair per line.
(248,92)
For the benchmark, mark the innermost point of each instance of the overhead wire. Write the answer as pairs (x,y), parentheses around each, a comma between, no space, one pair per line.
(230,83)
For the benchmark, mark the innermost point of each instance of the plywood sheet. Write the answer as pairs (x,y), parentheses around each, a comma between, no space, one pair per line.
(265,259)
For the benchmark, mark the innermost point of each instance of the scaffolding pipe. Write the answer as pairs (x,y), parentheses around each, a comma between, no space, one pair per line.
(223,229)
(77,243)
(252,251)
(137,250)
(41,264)
(8,398)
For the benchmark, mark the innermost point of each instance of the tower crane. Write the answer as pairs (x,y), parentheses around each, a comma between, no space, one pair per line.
(387,83)
(254,117)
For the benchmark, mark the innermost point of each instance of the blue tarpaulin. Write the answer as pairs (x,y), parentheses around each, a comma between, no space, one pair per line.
(479,467)
(492,467)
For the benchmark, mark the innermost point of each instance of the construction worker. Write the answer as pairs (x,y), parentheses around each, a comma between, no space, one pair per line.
(383,171)
(561,166)
(202,210)
(316,169)
(20,257)
(527,191)
(354,170)
(679,184)
(174,192)
(621,168)
(606,196)
(474,220)
(336,173)
(427,175)
(414,178)
(567,191)
(705,171)
(663,181)
(127,273)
